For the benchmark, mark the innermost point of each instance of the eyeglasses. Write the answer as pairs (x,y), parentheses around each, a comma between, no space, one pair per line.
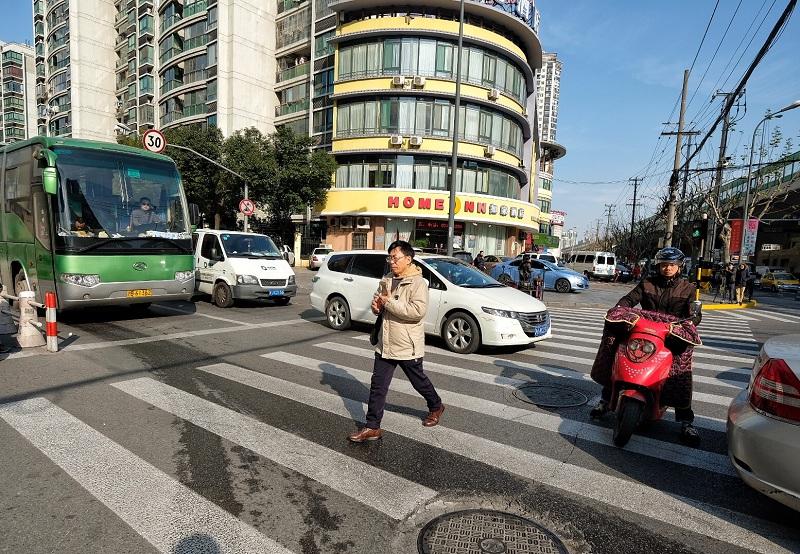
(391,259)
(146,204)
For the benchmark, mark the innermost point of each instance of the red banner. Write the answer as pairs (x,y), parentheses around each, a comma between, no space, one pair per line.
(736,236)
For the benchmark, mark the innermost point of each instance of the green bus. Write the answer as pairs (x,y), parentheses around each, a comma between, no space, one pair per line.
(98,223)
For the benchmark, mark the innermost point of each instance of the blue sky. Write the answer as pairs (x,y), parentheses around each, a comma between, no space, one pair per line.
(623,69)
(622,75)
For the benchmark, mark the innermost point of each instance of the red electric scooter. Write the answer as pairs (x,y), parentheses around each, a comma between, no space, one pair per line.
(641,367)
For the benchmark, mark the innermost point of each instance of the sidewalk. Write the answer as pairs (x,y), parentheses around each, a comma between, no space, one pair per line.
(710,304)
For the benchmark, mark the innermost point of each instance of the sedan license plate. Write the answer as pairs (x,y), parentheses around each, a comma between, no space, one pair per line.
(540,330)
(276,292)
(138,293)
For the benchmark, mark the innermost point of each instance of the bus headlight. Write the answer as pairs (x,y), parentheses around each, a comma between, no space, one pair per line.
(246,280)
(80,279)
(183,275)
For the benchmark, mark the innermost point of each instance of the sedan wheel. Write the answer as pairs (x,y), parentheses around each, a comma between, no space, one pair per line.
(338,313)
(562,285)
(461,333)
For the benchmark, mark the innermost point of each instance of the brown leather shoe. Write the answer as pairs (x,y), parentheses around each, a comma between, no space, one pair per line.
(433,417)
(366,434)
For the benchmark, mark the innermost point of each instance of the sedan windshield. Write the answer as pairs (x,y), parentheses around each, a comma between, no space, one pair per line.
(111,195)
(461,274)
(239,245)
(784,277)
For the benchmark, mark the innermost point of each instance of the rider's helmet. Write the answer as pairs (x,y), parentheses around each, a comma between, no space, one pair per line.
(669,254)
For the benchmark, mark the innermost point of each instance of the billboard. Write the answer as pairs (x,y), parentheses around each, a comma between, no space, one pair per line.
(750,232)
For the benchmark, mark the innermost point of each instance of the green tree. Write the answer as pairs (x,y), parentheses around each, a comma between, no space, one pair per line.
(299,176)
(247,153)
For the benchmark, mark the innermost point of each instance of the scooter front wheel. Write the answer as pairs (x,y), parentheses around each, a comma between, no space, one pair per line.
(629,414)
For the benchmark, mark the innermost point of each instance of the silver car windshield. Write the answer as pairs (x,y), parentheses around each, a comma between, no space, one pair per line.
(461,274)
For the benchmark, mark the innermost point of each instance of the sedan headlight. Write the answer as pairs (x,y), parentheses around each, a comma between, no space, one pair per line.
(80,279)
(291,280)
(183,275)
(246,280)
(500,313)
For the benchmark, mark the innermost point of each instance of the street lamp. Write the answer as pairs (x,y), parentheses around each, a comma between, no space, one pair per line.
(745,212)
(451,217)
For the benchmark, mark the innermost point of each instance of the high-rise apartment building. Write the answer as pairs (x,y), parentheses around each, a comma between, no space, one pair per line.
(548,85)
(131,65)
(18,77)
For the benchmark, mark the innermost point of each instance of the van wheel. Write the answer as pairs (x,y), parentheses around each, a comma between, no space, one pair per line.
(338,313)
(562,285)
(222,295)
(461,333)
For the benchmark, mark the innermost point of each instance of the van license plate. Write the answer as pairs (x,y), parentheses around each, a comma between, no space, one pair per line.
(540,330)
(276,292)
(137,293)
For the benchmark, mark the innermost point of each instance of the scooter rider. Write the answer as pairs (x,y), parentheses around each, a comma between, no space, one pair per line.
(668,293)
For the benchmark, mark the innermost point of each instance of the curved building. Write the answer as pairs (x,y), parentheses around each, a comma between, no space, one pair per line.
(394,89)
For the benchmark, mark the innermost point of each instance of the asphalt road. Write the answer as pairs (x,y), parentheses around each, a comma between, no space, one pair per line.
(194,429)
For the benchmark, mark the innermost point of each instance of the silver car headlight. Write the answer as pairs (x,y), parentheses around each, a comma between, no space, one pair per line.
(246,280)
(500,313)
(80,279)
(183,275)
(291,280)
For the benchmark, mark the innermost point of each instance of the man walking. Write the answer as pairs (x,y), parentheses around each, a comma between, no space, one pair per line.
(402,300)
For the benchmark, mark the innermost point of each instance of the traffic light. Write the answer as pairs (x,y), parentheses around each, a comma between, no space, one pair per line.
(699,230)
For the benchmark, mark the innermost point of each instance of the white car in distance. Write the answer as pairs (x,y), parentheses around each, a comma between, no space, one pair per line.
(466,307)
(318,257)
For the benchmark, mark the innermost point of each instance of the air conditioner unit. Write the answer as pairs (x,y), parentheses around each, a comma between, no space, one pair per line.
(362,223)
(489,150)
(346,222)
(419,81)
(415,141)
(494,94)
(333,222)
(396,140)
(398,81)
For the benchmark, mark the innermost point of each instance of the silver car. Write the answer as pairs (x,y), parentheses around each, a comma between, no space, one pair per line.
(764,423)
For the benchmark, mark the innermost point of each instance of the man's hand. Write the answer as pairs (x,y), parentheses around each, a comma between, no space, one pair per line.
(376,305)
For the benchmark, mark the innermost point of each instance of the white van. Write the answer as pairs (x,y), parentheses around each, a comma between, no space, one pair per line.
(596,264)
(230,265)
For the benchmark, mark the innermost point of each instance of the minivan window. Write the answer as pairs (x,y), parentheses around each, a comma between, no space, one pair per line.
(339,262)
(369,265)
(600,260)
(581,259)
(610,260)
(210,243)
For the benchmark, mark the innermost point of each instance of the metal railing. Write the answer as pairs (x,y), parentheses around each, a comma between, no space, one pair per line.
(291,107)
(292,72)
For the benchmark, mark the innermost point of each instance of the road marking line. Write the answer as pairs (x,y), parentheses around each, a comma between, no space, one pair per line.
(389,494)
(156,506)
(581,324)
(199,314)
(776,318)
(692,515)
(645,446)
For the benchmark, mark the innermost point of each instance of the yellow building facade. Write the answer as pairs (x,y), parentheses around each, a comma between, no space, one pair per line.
(393,125)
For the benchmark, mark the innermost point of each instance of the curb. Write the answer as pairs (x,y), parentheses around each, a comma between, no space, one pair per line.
(746,305)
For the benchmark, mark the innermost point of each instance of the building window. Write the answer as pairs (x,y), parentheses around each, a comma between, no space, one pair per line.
(359,241)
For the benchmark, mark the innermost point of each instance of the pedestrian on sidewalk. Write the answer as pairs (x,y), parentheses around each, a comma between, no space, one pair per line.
(637,272)
(742,275)
(749,286)
(400,304)
(729,283)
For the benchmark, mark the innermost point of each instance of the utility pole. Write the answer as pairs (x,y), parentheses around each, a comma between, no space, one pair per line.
(723,144)
(609,210)
(673,181)
(635,181)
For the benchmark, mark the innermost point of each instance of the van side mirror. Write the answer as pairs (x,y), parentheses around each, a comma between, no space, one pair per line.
(50,180)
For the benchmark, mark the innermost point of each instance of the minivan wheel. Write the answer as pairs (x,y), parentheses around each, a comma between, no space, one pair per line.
(337,313)
(222,295)
(562,285)
(461,333)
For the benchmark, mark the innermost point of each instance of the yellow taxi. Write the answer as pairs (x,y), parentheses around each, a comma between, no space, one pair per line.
(780,281)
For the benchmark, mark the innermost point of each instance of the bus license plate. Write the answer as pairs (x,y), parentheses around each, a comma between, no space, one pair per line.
(137,293)
(276,292)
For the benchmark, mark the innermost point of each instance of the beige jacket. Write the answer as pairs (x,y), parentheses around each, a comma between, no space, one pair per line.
(402,335)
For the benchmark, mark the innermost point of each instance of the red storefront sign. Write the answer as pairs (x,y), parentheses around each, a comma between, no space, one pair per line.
(735,244)
(438,225)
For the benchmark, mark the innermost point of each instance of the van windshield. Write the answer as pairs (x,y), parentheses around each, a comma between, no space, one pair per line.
(239,245)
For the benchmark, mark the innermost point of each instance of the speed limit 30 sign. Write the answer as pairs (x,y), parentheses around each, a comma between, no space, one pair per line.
(153,141)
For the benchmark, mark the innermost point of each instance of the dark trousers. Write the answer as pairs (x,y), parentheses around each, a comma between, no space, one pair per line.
(382,373)
(681,414)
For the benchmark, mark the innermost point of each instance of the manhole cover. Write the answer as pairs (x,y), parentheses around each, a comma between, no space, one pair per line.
(551,396)
(486,532)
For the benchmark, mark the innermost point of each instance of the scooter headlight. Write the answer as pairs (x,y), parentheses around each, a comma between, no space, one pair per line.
(639,350)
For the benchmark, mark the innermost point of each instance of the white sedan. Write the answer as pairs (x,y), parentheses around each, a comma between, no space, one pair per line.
(764,423)
(467,308)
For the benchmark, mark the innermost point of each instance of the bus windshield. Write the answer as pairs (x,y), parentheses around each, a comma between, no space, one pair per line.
(113,195)
(239,245)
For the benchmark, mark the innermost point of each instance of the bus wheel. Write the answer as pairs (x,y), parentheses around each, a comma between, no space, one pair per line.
(223,296)
(20,283)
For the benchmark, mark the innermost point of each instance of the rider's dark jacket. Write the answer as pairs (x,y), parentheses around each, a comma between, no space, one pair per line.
(659,294)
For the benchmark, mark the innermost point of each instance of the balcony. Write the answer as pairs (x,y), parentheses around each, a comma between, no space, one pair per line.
(286,5)
(170,85)
(292,72)
(197,7)
(38,9)
(168,22)
(195,42)
(292,107)
(169,54)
